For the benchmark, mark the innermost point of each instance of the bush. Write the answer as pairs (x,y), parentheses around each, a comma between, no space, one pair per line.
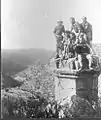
(22,103)
(30,101)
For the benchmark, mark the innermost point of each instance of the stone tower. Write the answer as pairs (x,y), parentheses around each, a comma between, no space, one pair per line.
(83,83)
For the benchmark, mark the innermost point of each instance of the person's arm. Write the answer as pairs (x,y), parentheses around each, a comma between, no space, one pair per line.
(63,29)
(71,29)
(88,27)
(90,49)
(79,29)
(64,38)
(77,40)
(91,27)
(54,31)
(91,30)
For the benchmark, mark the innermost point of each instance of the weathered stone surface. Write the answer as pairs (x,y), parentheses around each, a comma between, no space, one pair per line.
(70,82)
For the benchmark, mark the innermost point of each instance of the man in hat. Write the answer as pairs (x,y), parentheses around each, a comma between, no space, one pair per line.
(59,30)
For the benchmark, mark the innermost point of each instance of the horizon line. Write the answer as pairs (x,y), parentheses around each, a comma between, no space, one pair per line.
(34,48)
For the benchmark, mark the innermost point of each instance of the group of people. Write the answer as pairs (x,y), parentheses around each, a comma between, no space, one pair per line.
(76,42)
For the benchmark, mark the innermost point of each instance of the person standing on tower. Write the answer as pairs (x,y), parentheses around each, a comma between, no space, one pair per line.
(75,28)
(87,27)
(59,30)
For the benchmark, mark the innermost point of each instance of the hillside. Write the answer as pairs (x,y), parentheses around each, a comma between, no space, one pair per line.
(14,61)
(9,82)
(40,76)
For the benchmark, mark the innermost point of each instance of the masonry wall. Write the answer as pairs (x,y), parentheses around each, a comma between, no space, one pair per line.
(84,84)
(87,85)
(64,87)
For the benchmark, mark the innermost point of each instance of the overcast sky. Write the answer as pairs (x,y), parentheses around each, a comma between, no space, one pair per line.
(29,23)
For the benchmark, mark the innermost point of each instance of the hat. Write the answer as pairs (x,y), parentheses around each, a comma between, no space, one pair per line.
(59,21)
(84,17)
(67,31)
(72,18)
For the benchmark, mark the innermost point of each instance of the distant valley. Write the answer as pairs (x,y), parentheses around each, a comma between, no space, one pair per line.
(14,61)
(17,60)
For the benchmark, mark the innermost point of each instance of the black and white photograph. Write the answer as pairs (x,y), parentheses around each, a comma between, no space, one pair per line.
(50,59)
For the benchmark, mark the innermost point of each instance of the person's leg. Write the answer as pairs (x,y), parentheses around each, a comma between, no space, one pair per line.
(89,57)
(57,49)
(64,52)
(62,57)
(80,60)
(60,53)
(61,49)
(76,65)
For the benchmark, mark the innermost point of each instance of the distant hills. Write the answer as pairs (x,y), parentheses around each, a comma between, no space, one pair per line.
(14,61)
(9,82)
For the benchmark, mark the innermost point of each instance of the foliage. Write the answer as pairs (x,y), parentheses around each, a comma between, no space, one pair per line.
(33,105)
(22,103)
(27,100)
(30,101)
(40,77)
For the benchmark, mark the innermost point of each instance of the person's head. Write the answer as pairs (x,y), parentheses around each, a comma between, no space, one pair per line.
(78,25)
(72,20)
(82,39)
(67,33)
(59,22)
(73,98)
(81,35)
(84,19)
(73,35)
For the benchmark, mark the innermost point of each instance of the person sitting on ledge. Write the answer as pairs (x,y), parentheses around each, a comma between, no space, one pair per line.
(83,53)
